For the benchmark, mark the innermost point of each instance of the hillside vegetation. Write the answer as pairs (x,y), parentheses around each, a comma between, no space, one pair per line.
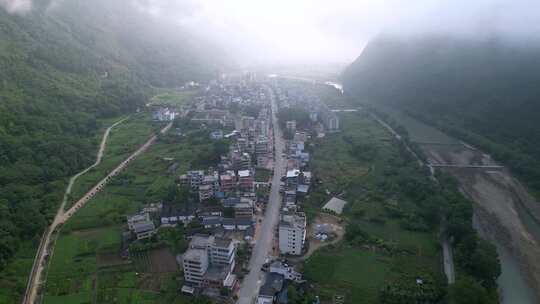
(65,70)
(482,91)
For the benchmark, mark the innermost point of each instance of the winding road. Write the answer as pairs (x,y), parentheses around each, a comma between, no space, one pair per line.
(46,246)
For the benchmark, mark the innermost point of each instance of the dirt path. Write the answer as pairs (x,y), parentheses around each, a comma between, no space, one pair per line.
(315,244)
(46,247)
(99,157)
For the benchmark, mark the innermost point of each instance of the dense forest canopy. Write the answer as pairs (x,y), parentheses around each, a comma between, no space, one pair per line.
(63,69)
(481,90)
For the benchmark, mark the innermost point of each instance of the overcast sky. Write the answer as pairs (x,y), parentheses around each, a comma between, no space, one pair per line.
(336,31)
(323,31)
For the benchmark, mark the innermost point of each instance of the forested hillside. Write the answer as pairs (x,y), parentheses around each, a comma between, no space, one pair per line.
(482,91)
(64,69)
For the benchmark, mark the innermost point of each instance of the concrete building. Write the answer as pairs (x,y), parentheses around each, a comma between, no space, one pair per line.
(137,218)
(274,284)
(292,233)
(287,271)
(293,177)
(291,126)
(144,230)
(245,180)
(205,192)
(261,146)
(243,210)
(228,181)
(209,262)
(195,178)
(195,263)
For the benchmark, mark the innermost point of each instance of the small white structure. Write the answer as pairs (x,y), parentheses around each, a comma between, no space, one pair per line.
(335,205)
(137,218)
(287,271)
(144,230)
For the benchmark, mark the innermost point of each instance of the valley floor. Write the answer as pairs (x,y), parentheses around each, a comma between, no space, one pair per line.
(353,271)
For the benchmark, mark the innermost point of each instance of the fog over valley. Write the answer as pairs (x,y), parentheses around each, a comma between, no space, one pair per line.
(269,151)
(307,31)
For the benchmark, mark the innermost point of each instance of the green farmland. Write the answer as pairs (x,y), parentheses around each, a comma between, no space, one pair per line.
(365,166)
(86,266)
(123,140)
(169,97)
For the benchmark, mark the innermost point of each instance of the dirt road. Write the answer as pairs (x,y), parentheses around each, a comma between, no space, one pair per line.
(46,247)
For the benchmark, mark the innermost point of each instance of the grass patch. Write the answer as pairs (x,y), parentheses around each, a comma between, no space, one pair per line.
(74,274)
(169,97)
(262,175)
(365,166)
(353,273)
(123,140)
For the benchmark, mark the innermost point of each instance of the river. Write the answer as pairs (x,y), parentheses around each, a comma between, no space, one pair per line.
(513,287)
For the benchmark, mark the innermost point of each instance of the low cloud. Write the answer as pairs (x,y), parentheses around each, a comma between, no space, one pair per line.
(308,31)
(16,6)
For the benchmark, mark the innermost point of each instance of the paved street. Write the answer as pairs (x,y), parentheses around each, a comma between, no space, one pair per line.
(252,282)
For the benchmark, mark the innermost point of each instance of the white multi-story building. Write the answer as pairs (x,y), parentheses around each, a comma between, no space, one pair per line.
(195,262)
(292,233)
(209,262)
(195,178)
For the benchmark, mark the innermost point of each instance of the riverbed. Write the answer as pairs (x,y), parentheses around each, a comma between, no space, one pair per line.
(499,216)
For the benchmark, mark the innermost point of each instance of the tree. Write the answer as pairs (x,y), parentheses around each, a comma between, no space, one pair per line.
(468,291)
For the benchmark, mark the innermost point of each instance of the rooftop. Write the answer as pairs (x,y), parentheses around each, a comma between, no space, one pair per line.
(244,173)
(335,204)
(143,226)
(293,173)
(222,242)
(293,219)
(272,285)
(194,254)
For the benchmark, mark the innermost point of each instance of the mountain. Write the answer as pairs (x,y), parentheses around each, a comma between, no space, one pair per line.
(64,66)
(482,90)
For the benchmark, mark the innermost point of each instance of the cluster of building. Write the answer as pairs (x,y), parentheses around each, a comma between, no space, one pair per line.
(210,260)
(292,94)
(277,277)
(163,113)
(295,185)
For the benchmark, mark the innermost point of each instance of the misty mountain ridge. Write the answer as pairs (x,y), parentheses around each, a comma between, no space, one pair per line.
(486,87)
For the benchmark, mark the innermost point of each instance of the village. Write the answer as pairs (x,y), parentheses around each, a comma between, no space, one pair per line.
(224,206)
(227,202)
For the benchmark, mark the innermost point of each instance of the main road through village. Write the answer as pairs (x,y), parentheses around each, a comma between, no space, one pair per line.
(252,282)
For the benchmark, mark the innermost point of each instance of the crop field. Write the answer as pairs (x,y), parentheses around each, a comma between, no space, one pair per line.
(155,261)
(86,267)
(345,271)
(335,162)
(123,140)
(167,97)
(358,165)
